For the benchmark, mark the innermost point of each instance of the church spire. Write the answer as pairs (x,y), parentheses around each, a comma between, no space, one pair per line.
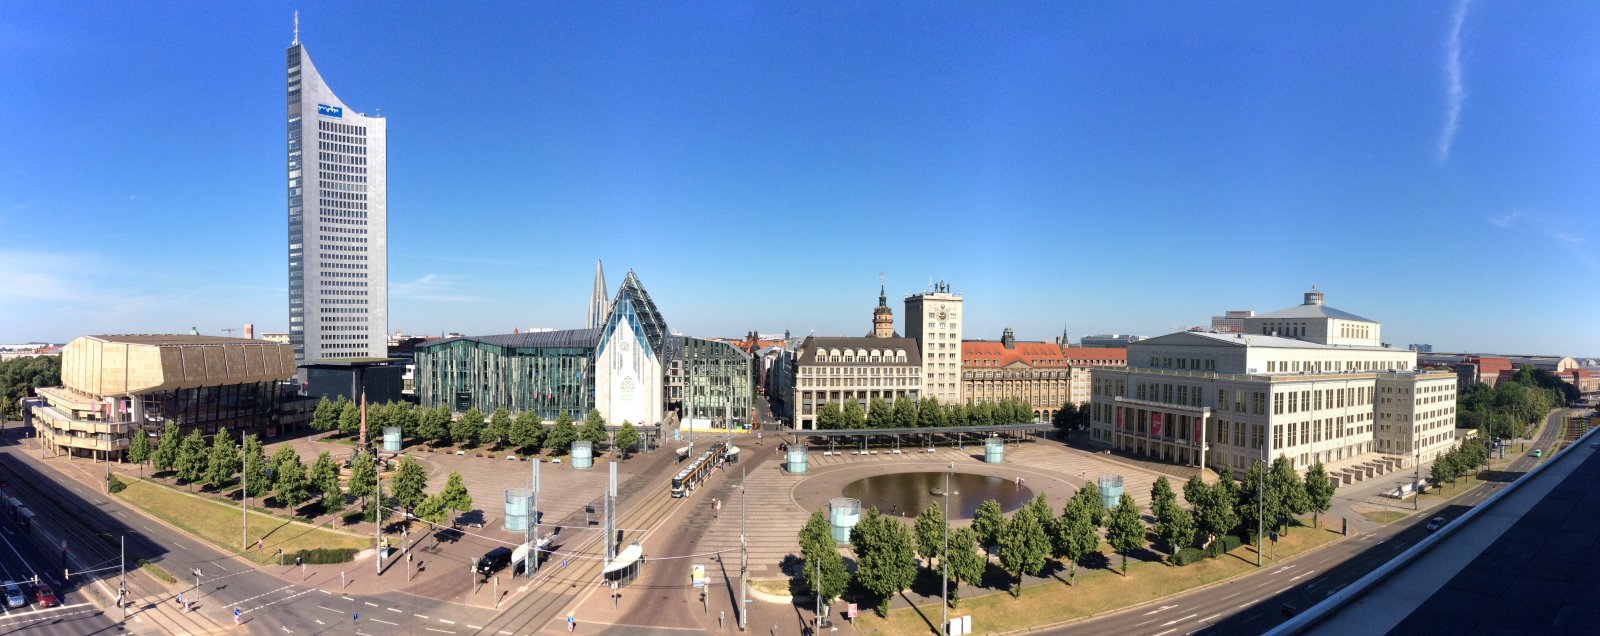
(599,306)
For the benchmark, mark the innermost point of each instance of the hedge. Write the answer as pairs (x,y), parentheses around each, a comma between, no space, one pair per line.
(116,484)
(323,556)
(1187,556)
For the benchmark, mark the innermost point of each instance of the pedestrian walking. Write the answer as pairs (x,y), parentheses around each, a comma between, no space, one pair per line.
(572,623)
(236,614)
(721,614)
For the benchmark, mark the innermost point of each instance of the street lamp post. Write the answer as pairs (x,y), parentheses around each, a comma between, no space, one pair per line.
(944,557)
(1416,500)
(244,495)
(1261,513)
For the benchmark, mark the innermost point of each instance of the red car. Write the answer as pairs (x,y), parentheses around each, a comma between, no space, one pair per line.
(46,596)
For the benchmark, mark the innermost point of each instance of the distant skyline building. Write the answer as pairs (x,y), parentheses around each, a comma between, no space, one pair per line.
(1109,340)
(1231,321)
(338,220)
(1422,348)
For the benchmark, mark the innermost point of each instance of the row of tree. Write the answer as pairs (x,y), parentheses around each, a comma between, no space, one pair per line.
(1514,407)
(440,427)
(20,376)
(286,477)
(924,413)
(1029,540)
(1459,461)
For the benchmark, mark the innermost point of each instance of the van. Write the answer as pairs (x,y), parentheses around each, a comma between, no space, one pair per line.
(493,560)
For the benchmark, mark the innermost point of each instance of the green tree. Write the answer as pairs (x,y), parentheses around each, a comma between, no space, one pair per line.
(165,456)
(966,565)
(929,529)
(431,509)
(257,476)
(281,459)
(1124,530)
(527,432)
(821,558)
(989,523)
(1077,533)
(594,429)
(1444,467)
(829,417)
(1176,528)
(408,483)
(1161,497)
(325,481)
(1285,481)
(455,495)
(1254,498)
(326,417)
(886,560)
(627,438)
(407,417)
(1213,505)
(20,377)
(139,449)
(930,413)
(880,414)
(192,458)
(853,417)
(465,430)
(364,480)
(904,413)
(350,419)
(1065,418)
(290,486)
(223,462)
(1024,546)
(562,435)
(434,425)
(498,429)
(1319,492)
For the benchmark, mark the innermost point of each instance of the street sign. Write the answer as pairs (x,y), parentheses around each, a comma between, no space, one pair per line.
(697,574)
(850,611)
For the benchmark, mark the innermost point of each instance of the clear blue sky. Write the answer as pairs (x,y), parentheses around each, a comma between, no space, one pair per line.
(1432,165)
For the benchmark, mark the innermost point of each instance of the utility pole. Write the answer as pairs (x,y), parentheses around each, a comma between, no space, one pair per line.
(1261,514)
(122,575)
(1416,499)
(533,523)
(377,503)
(819,595)
(244,495)
(944,558)
(744,555)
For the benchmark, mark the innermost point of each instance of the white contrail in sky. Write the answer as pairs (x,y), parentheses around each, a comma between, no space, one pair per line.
(1455,92)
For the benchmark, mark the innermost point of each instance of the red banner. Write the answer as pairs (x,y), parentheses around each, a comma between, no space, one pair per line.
(1155,425)
(1119,418)
(1198,432)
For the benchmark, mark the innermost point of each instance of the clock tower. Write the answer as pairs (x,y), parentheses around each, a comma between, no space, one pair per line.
(933,318)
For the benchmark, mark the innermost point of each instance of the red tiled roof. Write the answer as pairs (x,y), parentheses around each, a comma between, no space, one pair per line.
(1488,365)
(988,353)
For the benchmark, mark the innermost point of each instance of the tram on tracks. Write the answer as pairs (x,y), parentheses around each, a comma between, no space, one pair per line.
(698,470)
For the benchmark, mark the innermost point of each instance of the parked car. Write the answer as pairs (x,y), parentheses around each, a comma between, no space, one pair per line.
(493,560)
(46,596)
(14,597)
(1436,523)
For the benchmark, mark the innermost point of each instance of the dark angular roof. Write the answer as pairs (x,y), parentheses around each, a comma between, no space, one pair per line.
(580,338)
(650,320)
(809,348)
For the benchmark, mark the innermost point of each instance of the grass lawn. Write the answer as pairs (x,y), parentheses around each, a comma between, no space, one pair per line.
(1097,590)
(219,524)
(1385,516)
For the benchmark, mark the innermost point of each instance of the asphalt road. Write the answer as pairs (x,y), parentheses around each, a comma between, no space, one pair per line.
(280,604)
(1253,603)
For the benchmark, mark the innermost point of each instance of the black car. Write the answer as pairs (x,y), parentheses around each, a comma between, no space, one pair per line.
(493,560)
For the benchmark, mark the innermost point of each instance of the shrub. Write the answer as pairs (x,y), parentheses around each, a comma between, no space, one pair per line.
(1187,556)
(116,484)
(1229,542)
(323,556)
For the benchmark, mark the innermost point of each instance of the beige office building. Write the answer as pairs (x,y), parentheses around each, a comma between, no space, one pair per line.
(933,320)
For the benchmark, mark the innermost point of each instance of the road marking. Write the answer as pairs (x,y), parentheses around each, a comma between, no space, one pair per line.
(1231,595)
(319,622)
(1147,622)
(395,610)
(285,629)
(370,603)
(504,632)
(326,592)
(180,545)
(332,610)
(1248,603)
(1208,618)
(1282,569)
(474,627)
(1285,589)
(1158,610)
(438,630)
(379,620)
(1175,621)
(120,514)
(447,622)
(420,616)
(1303,575)
(1166,632)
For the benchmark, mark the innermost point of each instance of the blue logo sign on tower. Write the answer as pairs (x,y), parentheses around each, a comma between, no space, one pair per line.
(330,111)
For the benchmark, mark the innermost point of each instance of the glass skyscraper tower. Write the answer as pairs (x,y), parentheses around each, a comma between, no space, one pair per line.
(338,221)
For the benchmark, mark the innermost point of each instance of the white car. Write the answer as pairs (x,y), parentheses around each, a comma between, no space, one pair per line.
(1436,523)
(14,596)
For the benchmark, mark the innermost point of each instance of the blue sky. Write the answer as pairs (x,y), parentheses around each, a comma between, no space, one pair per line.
(1432,165)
